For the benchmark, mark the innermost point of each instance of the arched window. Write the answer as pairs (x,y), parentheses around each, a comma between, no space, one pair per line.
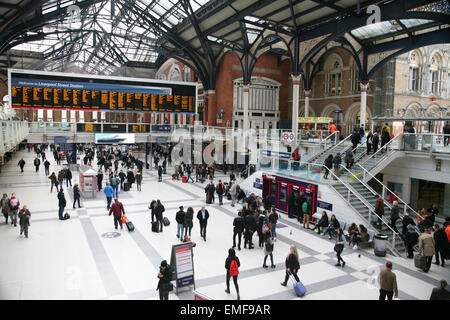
(333,75)
(415,72)
(436,74)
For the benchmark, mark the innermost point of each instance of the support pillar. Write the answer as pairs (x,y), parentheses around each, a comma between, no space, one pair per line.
(362,114)
(296,77)
(245,97)
(212,106)
(307,96)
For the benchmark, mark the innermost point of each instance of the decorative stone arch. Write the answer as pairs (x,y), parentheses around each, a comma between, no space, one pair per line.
(416,58)
(333,61)
(328,111)
(351,114)
(413,109)
(175,73)
(301,111)
(436,59)
(433,110)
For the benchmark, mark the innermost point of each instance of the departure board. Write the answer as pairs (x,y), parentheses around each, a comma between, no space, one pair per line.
(67,91)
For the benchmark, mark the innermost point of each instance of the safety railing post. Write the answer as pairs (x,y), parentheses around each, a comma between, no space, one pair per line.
(370,216)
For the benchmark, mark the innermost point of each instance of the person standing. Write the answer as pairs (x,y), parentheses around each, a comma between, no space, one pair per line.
(306,208)
(159,209)
(268,249)
(160,173)
(21,164)
(99,180)
(442,292)
(188,221)
(180,222)
(292,205)
(337,162)
(238,229)
(24,220)
(139,181)
(433,211)
(118,210)
(164,284)
(385,137)
(220,191)
(292,265)
(379,209)
(232,265)
(250,228)
(375,142)
(14,204)
(203,216)
(426,247)
(273,219)
(4,205)
(349,158)
(61,203)
(109,193)
(122,177)
(233,192)
(339,247)
(369,142)
(388,283)
(76,195)
(395,215)
(47,167)
(54,182)
(68,177)
(446,131)
(411,237)
(61,177)
(442,246)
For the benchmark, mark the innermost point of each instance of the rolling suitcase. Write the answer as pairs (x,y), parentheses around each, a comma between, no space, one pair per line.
(184,179)
(166,221)
(299,288)
(126,186)
(420,261)
(130,225)
(155,226)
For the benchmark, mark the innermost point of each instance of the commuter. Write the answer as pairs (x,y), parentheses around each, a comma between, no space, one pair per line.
(375,142)
(61,177)
(203,216)
(292,265)
(14,204)
(179,218)
(61,203)
(328,165)
(426,247)
(99,180)
(273,218)
(355,138)
(442,292)
(37,163)
(332,128)
(332,226)
(152,209)
(209,190)
(53,182)
(122,177)
(292,205)
(220,191)
(188,221)
(4,204)
(238,229)
(337,162)
(259,229)
(385,137)
(442,246)
(249,229)
(160,173)
(232,265)
(268,249)
(379,209)
(395,215)
(47,167)
(24,220)
(411,238)
(393,197)
(349,158)
(369,142)
(189,172)
(339,247)
(159,210)
(21,164)
(388,283)
(323,222)
(361,133)
(109,193)
(130,177)
(233,192)
(268,203)
(76,195)
(306,208)
(433,211)
(117,209)
(165,278)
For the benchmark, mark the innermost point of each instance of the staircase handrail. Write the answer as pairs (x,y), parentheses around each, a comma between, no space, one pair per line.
(318,156)
(335,134)
(384,147)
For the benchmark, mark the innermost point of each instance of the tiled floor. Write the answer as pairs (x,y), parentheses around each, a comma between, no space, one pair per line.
(72,260)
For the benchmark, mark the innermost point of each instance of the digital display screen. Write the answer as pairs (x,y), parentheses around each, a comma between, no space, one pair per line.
(114,138)
(48,90)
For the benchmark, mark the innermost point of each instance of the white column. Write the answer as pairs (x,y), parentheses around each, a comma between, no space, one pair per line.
(295,98)
(245,97)
(362,114)
(307,96)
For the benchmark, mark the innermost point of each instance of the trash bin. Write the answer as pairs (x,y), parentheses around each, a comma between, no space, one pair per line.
(380,244)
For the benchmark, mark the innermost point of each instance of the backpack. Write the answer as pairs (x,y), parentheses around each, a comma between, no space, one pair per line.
(114,182)
(14,203)
(265,228)
(234,270)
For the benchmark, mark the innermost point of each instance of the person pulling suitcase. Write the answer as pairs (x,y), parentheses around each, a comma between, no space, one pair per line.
(118,210)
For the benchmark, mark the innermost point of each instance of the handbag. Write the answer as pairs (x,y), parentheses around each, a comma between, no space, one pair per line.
(338,248)
(168,286)
(269,247)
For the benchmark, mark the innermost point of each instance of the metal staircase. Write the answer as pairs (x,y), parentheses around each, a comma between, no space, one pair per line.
(338,148)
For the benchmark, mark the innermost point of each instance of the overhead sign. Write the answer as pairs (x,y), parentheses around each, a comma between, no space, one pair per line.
(315,120)
(114,138)
(183,263)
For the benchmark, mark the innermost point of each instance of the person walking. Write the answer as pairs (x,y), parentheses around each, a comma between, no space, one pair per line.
(24,220)
(76,195)
(433,211)
(118,210)
(220,191)
(349,158)
(379,209)
(203,216)
(233,192)
(109,193)
(54,182)
(159,209)
(232,265)
(21,164)
(375,142)
(238,229)
(115,183)
(122,177)
(4,205)
(160,173)
(388,283)
(273,219)
(14,204)
(165,278)
(68,177)
(395,215)
(441,244)
(369,142)
(268,249)
(47,167)
(385,137)
(139,181)
(427,247)
(188,221)
(179,218)
(411,237)
(61,177)
(328,165)
(37,163)
(99,180)
(339,247)
(442,292)
(61,203)
(292,265)
(337,162)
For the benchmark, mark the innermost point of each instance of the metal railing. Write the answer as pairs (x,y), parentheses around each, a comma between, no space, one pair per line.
(341,143)
(393,144)
(426,142)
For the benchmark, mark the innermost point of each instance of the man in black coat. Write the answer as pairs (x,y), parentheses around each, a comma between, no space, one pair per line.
(122,176)
(99,180)
(47,167)
(300,200)
(160,173)
(292,206)
(250,228)
(441,244)
(159,209)
(68,177)
(76,195)
(61,203)
(375,142)
(203,216)
(442,292)
(37,162)
(238,229)
(179,218)
(165,276)
(407,220)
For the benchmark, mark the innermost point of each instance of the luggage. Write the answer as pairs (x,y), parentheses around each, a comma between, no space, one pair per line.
(299,288)
(228,196)
(126,186)
(66,216)
(166,221)
(155,226)
(420,261)
(130,225)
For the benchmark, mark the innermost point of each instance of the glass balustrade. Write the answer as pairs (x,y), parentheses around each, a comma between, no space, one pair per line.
(426,142)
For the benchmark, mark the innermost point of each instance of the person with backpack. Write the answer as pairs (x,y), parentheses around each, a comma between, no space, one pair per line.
(268,249)
(61,203)
(188,223)
(203,216)
(238,229)
(339,246)
(165,278)
(179,218)
(232,265)
(220,191)
(61,177)
(115,183)
(292,265)
(24,220)
(76,195)
(139,181)
(37,163)
(118,210)
(47,167)
(109,193)
(4,205)
(14,204)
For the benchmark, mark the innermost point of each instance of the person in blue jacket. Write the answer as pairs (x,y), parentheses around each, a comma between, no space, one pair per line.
(109,193)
